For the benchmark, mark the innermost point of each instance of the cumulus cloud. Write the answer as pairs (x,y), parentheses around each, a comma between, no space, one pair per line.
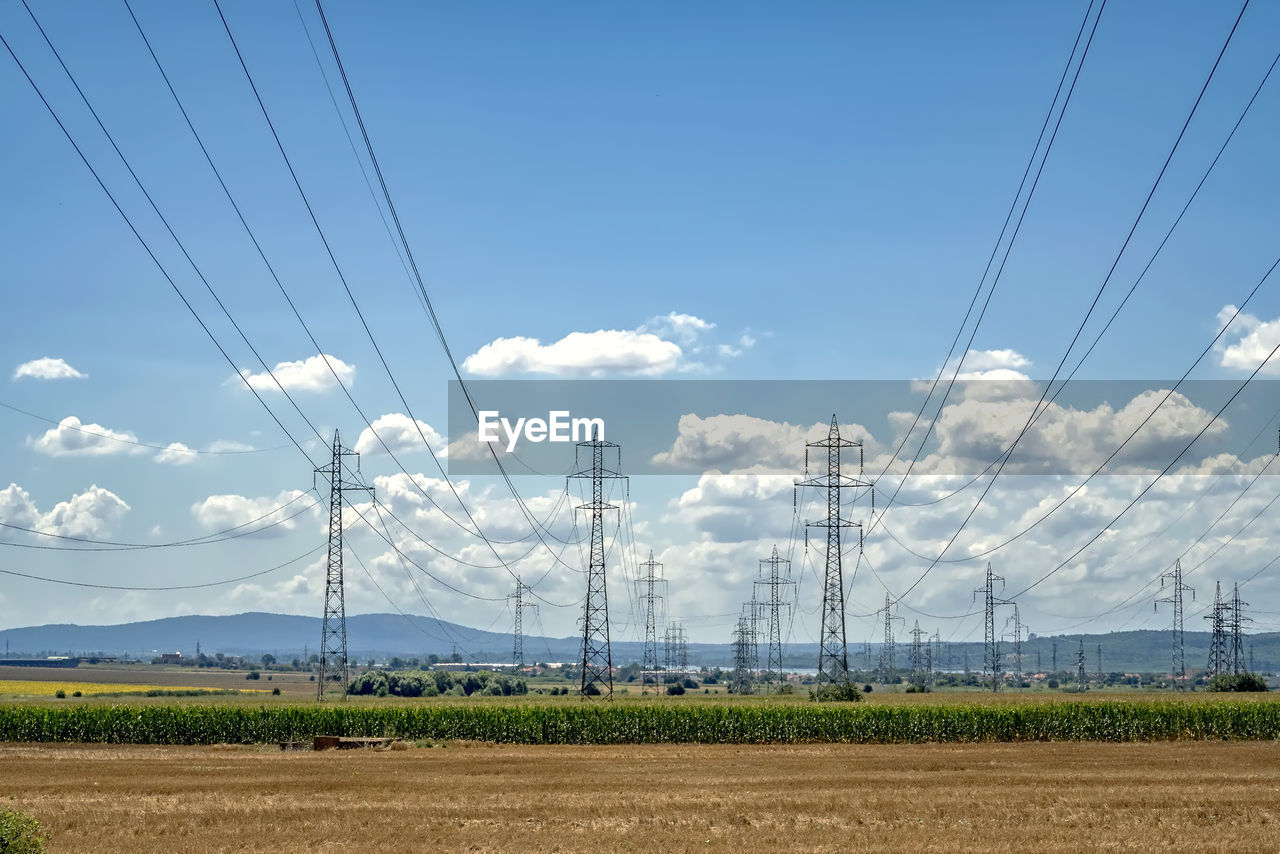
(683,328)
(1254,339)
(309,374)
(400,433)
(972,433)
(175,454)
(73,438)
(222,512)
(985,374)
(86,514)
(47,369)
(660,345)
(744,442)
(226,445)
(578,354)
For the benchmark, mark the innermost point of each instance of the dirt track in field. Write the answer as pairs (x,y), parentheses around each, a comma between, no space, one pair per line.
(1003,797)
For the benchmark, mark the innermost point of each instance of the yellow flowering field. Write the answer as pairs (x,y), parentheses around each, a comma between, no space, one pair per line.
(27,688)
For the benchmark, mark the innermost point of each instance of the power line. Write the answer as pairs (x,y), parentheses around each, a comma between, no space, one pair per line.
(150,253)
(115,546)
(1009,247)
(120,439)
(1097,296)
(165,588)
(408,253)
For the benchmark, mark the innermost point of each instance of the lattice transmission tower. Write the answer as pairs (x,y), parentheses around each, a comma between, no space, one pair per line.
(777,575)
(597,654)
(918,665)
(1018,632)
(650,583)
(1081,677)
(990,642)
(1236,653)
(742,641)
(833,654)
(519,605)
(1172,581)
(1219,660)
(888,666)
(333,630)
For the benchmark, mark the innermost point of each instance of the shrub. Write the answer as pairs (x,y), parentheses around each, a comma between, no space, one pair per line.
(76,694)
(19,833)
(275,692)
(689,683)
(60,694)
(844,692)
(1054,683)
(675,689)
(867,689)
(1238,682)
(253,674)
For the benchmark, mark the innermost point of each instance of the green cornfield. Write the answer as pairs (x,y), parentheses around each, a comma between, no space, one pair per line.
(645,724)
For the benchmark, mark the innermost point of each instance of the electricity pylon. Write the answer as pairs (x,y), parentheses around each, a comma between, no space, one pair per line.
(1219,663)
(1080,674)
(597,654)
(517,653)
(776,578)
(1237,637)
(1178,670)
(1018,630)
(333,631)
(889,648)
(918,668)
(676,646)
(833,655)
(741,679)
(991,644)
(649,596)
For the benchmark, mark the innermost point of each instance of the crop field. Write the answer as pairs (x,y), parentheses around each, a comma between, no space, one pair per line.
(1176,796)
(641,723)
(50,688)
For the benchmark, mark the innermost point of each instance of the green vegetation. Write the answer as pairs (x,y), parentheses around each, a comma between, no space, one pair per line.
(19,833)
(1238,682)
(652,722)
(416,683)
(845,692)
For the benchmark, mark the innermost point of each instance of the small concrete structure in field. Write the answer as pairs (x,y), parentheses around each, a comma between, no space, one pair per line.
(343,742)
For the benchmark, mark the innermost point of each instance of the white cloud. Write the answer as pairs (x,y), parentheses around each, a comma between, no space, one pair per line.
(47,369)
(683,328)
(400,433)
(17,508)
(1257,338)
(994,360)
(726,443)
(176,454)
(222,512)
(309,374)
(578,354)
(661,345)
(86,514)
(224,445)
(72,438)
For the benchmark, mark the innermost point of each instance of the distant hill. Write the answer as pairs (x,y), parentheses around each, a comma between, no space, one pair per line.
(380,636)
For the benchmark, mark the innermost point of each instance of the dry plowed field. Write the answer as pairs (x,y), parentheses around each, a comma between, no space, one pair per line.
(1165,796)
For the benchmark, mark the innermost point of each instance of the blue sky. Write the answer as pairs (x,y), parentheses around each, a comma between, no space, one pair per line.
(817,188)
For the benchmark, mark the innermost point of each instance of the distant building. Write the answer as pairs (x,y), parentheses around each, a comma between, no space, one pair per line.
(170,658)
